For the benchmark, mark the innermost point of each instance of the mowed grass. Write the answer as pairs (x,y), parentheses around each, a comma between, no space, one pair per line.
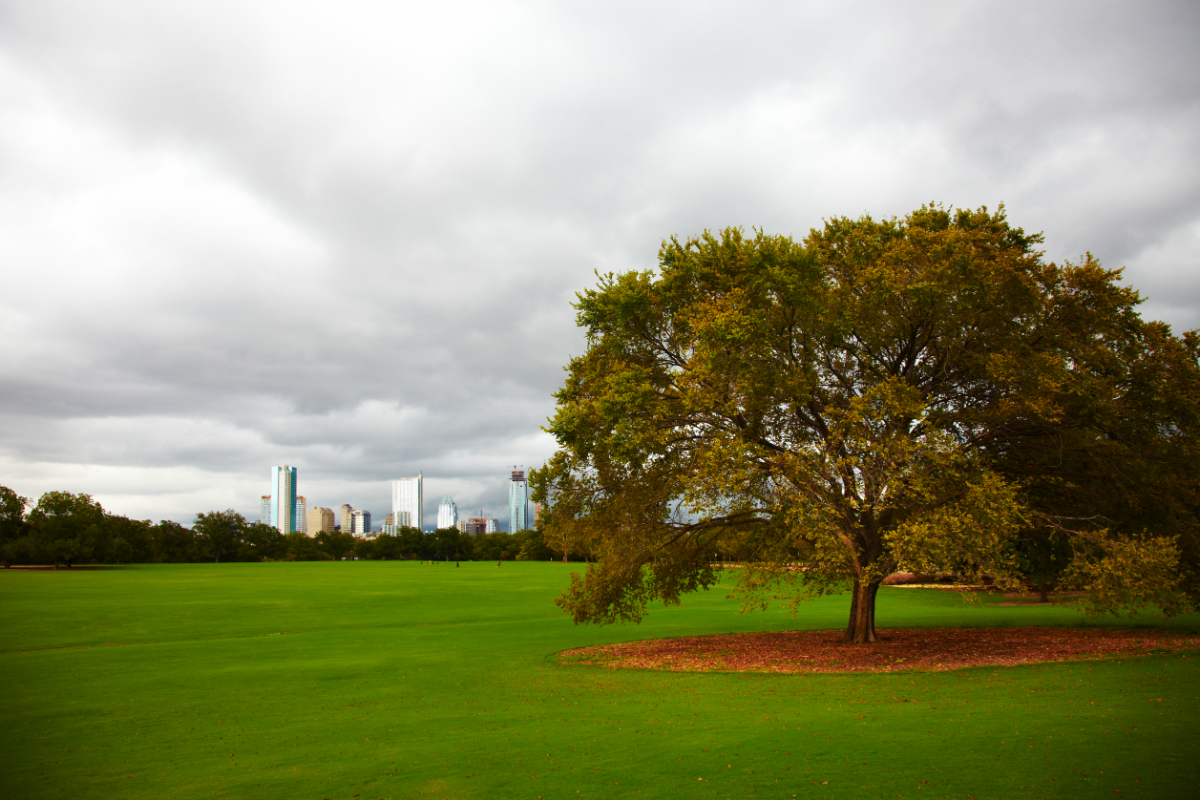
(405,680)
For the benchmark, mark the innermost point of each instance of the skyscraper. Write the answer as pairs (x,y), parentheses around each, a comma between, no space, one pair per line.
(407,502)
(347,511)
(360,522)
(447,513)
(320,520)
(264,516)
(283,498)
(301,515)
(518,502)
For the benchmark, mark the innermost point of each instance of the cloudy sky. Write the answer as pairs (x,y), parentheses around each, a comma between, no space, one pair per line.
(346,236)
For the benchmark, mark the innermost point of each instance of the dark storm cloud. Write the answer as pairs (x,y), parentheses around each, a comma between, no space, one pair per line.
(237,235)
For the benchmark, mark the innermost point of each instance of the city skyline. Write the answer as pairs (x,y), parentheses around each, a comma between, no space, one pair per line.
(351,518)
(167,170)
(343,519)
(407,502)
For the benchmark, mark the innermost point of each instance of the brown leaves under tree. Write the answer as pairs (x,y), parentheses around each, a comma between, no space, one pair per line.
(897,649)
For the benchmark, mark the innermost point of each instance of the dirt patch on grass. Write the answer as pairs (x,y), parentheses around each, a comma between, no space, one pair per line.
(933,649)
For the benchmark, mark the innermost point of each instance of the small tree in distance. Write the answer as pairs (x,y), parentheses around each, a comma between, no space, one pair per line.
(12,525)
(66,527)
(221,530)
(887,394)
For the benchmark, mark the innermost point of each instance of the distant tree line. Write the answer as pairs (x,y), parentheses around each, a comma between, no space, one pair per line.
(65,529)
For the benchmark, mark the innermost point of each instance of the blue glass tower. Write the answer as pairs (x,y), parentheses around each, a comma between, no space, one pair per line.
(518,502)
(283,498)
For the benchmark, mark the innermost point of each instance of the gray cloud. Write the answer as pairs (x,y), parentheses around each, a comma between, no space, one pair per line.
(243,234)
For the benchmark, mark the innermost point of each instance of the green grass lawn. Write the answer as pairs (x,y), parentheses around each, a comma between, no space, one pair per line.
(399,680)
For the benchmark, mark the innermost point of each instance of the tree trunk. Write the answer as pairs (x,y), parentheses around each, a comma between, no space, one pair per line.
(861,629)
(1045,590)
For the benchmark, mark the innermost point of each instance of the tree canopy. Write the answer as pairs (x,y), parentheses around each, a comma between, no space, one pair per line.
(925,393)
(69,527)
(221,530)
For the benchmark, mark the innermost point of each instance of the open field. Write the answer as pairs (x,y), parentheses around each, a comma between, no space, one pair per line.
(398,680)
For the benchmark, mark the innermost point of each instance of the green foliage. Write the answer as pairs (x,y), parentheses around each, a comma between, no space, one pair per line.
(411,542)
(12,515)
(531,546)
(448,544)
(221,531)
(385,547)
(260,542)
(125,540)
(336,544)
(173,543)
(913,393)
(1043,555)
(299,547)
(67,527)
(491,546)
(12,526)
(1129,573)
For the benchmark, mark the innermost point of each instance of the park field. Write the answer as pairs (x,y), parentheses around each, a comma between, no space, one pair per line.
(410,680)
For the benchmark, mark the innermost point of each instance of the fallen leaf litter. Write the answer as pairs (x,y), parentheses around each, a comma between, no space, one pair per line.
(932,649)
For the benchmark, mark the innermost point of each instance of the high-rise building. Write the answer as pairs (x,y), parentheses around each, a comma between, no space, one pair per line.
(447,513)
(360,522)
(301,515)
(344,520)
(477,526)
(407,502)
(320,520)
(283,498)
(518,502)
(264,516)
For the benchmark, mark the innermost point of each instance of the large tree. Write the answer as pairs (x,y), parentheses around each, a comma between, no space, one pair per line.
(260,541)
(925,393)
(12,524)
(171,542)
(221,530)
(67,527)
